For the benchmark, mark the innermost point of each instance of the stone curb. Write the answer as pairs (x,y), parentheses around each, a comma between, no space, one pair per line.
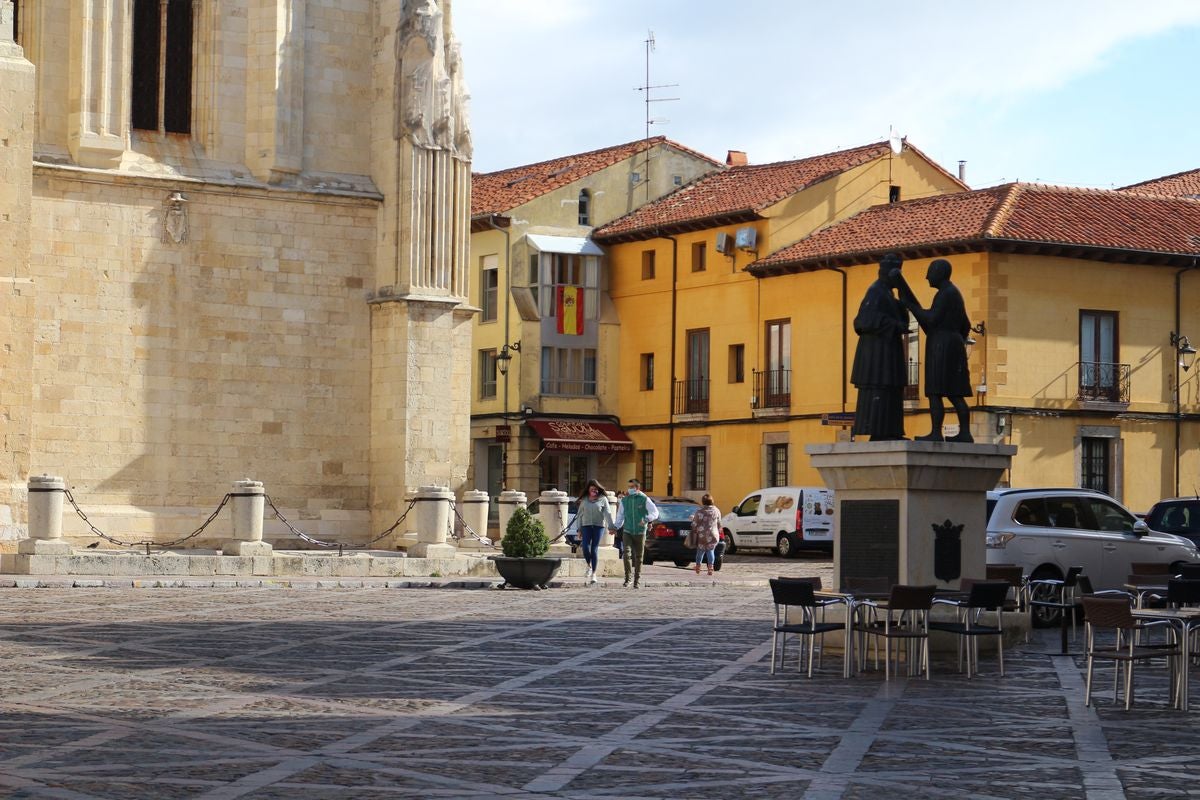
(101,582)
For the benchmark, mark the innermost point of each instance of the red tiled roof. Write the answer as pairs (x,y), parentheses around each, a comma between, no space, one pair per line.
(497,192)
(1181,184)
(735,193)
(1072,221)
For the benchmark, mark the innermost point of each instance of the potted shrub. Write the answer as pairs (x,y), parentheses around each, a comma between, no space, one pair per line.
(523,564)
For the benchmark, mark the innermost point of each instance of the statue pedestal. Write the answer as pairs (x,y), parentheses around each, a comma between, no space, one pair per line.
(890,496)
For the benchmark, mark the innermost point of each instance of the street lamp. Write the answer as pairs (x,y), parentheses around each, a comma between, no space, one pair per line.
(970,342)
(504,358)
(1184,350)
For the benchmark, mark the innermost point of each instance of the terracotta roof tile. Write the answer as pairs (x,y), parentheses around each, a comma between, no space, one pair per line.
(497,192)
(1181,184)
(1023,213)
(736,191)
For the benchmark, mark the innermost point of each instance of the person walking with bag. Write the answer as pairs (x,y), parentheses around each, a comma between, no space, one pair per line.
(593,517)
(634,514)
(705,533)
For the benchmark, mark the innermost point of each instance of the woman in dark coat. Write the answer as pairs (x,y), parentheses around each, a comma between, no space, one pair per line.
(946,327)
(880,370)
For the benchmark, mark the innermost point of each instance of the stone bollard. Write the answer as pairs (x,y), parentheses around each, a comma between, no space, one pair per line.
(475,516)
(433,520)
(606,551)
(552,511)
(246,507)
(510,501)
(46,496)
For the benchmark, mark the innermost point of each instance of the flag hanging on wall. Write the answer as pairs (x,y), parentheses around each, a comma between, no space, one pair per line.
(570,310)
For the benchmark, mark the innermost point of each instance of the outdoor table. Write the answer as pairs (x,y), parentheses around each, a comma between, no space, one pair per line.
(1140,590)
(1186,620)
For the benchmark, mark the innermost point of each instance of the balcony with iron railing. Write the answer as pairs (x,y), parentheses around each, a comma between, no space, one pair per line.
(690,397)
(772,389)
(1103,384)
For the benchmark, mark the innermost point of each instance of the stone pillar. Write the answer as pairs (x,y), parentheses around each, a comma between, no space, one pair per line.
(510,501)
(275,91)
(607,552)
(100,52)
(475,516)
(46,496)
(889,498)
(552,511)
(17,313)
(246,512)
(433,520)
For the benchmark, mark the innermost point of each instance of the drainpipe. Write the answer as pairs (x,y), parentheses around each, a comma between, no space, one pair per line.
(491,221)
(1175,359)
(671,394)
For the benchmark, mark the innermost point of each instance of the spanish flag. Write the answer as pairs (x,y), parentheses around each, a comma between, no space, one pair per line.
(570,310)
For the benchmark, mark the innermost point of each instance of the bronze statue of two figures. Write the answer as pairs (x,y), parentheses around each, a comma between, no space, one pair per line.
(880,369)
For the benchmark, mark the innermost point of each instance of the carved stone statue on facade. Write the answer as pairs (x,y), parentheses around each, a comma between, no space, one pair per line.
(880,370)
(946,328)
(175,219)
(433,95)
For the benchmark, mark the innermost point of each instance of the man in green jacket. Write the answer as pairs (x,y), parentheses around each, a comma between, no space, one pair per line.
(635,513)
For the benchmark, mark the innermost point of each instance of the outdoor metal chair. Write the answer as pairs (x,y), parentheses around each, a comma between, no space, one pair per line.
(981,596)
(904,618)
(1051,594)
(1189,571)
(1112,615)
(798,593)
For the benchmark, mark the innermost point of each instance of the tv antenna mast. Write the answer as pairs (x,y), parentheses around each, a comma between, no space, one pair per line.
(646,88)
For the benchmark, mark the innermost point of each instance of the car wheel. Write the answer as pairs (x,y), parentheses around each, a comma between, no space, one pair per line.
(1043,616)
(682,563)
(784,547)
(717,564)
(730,545)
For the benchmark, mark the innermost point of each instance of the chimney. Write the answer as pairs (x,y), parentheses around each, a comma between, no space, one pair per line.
(962,171)
(736,158)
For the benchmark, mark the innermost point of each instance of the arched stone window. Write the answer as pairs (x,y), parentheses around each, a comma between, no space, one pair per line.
(585,207)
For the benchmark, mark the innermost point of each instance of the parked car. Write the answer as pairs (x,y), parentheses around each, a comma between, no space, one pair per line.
(786,519)
(1047,531)
(1177,515)
(664,540)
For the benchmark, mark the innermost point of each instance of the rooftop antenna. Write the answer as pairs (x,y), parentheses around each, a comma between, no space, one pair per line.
(646,87)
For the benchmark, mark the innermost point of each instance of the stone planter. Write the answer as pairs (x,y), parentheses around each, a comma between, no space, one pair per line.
(526,573)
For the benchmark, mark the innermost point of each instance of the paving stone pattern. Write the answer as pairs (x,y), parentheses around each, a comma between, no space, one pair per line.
(577,692)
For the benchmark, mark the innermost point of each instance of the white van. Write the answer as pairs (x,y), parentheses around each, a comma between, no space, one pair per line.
(786,519)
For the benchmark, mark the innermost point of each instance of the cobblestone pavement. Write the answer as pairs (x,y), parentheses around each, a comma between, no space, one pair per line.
(576,692)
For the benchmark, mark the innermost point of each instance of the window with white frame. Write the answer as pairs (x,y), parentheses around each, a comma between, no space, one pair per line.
(585,207)
(487,373)
(569,269)
(569,371)
(489,288)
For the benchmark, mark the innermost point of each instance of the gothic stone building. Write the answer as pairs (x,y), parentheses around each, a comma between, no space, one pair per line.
(233,240)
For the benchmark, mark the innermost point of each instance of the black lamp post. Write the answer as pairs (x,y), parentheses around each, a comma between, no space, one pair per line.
(980,329)
(503,360)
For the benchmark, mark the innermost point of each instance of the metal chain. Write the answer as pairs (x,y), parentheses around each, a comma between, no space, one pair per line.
(467,528)
(145,542)
(339,545)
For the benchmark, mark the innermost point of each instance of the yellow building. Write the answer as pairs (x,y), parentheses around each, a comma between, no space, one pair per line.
(1083,301)
(545,406)
(723,378)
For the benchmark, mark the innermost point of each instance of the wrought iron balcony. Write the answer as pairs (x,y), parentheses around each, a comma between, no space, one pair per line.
(773,388)
(1100,382)
(690,397)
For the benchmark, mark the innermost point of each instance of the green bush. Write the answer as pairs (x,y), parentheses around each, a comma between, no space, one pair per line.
(525,536)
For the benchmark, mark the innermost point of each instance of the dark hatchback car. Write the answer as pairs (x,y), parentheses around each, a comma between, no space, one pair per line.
(1177,515)
(664,541)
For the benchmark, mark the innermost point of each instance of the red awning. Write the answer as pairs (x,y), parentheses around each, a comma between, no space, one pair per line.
(581,436)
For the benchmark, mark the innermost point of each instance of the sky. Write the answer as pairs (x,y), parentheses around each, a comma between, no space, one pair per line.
(1093,93)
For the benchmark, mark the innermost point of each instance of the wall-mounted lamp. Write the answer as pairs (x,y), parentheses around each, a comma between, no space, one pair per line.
(1001,423)
(970,342)
(1184,350)
(504,357)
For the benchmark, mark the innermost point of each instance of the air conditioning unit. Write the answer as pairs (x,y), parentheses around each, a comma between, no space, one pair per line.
(747,238)
(724,243)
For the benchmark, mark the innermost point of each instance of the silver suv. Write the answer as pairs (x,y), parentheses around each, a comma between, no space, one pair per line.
(1047,531)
